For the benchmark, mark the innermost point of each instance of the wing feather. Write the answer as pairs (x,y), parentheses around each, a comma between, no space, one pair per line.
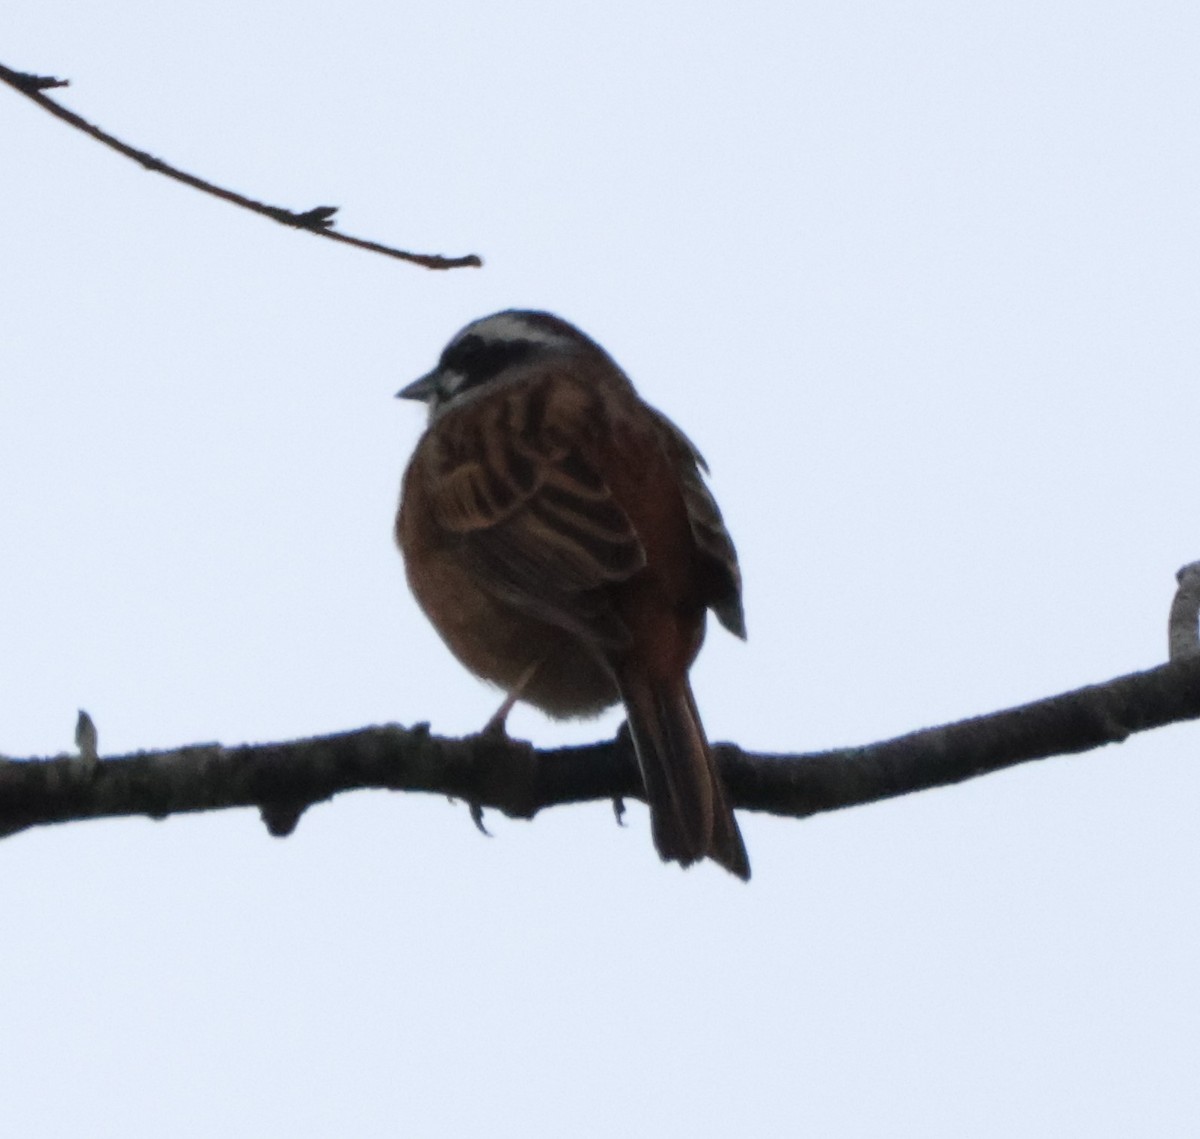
(534,515)
(708,530)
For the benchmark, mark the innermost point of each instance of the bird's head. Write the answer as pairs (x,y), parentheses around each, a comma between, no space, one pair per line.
(489,349)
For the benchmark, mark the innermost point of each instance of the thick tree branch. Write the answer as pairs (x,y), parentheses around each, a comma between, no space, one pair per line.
(283,779)
(318,220)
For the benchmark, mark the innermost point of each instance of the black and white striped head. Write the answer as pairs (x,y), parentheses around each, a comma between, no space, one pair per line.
(490,346)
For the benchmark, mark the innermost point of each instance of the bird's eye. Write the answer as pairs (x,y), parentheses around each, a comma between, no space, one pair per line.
(479,360)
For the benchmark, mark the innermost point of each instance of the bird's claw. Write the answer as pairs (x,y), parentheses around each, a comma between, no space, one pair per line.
(477,818)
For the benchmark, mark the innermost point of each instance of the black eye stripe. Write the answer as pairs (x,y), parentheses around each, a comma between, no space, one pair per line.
(479,360)
(461,353)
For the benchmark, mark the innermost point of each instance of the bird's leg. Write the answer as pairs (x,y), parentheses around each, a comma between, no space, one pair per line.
(496,726)
(496,729)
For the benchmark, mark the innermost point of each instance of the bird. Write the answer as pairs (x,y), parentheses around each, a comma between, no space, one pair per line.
(559,534)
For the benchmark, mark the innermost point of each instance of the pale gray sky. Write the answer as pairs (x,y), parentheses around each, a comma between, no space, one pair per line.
(921,281)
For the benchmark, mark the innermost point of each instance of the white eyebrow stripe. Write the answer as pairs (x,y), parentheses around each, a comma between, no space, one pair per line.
(512,326)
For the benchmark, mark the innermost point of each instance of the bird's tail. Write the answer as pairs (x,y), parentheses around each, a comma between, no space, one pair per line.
(689,814)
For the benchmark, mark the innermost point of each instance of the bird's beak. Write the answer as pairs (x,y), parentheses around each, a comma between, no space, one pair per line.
(423,389)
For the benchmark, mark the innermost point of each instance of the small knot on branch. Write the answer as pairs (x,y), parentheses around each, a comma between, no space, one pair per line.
(31,83)
(319,217)
(281,817)
(87,739)
(1183,626)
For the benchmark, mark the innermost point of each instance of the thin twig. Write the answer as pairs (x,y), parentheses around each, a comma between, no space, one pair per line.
(318,220)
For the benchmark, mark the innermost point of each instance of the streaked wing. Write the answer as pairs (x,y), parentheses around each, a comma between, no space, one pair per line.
(536,519)
(724,578)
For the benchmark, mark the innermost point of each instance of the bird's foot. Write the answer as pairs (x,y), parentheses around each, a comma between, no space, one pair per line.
(477,818)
